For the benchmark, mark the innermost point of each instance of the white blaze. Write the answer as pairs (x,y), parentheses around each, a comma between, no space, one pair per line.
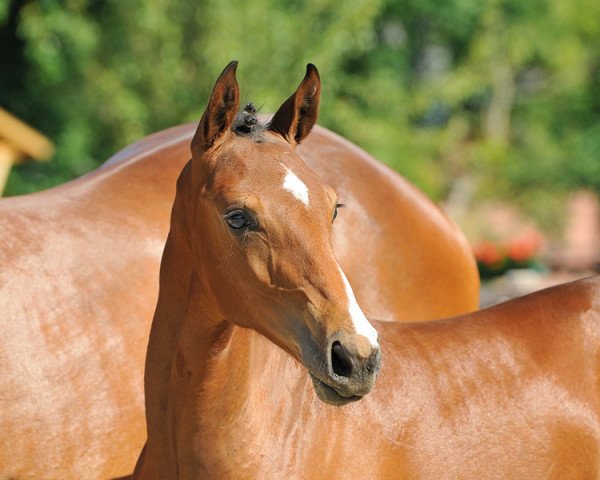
(361,324)
(295,186)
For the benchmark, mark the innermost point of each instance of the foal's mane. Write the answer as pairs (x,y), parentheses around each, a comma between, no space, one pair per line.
(247,124)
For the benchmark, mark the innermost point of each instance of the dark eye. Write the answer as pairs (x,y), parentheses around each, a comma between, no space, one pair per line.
(335,213)
(238,219)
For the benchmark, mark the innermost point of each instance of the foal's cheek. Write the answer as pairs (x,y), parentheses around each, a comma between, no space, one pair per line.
(258,261)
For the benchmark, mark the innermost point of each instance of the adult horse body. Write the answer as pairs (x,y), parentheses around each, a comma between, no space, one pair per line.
(260,360)
(79,280)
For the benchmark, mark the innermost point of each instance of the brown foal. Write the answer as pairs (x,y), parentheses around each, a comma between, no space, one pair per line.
(260,356)
(79,281)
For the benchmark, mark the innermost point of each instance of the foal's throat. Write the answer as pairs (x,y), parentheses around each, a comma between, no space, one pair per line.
(218,362)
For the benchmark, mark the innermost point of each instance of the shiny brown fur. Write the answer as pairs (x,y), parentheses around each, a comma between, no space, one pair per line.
(79,277)
(511,392)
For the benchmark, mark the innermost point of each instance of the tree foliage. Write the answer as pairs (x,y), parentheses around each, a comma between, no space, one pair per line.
(503,92)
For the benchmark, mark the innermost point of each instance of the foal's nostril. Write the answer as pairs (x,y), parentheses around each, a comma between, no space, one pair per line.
(341,362)
(373,364)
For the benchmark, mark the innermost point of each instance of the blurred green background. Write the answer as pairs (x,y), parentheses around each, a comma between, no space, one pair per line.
(495,98)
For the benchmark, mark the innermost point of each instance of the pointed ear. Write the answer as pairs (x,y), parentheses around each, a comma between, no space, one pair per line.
(220,113)
(296,117)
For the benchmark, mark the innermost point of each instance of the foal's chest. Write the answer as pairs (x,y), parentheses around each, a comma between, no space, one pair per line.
(248,444)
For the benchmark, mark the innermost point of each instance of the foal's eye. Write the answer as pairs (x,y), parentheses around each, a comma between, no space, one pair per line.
(238,219)
(335,213)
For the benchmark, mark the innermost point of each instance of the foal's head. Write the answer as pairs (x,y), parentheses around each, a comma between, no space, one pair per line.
(261,224)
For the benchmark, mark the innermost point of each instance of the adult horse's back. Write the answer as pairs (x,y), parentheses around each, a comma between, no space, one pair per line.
(79,281)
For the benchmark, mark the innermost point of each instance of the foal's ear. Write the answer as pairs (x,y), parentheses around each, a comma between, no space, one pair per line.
(296,117)
(220,113)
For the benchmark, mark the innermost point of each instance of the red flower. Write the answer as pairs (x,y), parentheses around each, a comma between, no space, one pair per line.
(525,247)
(488,253)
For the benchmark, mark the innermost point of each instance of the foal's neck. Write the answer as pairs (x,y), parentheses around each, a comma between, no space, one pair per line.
(196,358)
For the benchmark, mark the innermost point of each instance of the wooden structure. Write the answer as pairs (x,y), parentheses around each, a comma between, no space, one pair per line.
(18,142)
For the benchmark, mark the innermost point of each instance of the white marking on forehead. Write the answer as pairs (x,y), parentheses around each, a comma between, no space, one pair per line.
(295,186)
(361,324)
